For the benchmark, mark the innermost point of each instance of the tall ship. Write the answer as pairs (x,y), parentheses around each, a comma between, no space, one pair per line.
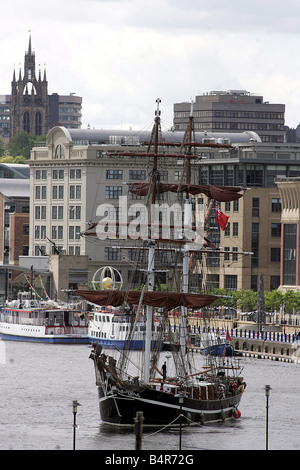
(163,386)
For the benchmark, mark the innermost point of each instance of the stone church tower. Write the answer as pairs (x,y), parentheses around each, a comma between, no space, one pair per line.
(29,107)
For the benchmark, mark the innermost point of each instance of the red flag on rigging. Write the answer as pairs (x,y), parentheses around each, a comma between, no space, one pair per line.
(221,218)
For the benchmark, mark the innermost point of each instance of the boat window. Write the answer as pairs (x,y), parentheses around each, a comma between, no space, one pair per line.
(107,318)
(103,318)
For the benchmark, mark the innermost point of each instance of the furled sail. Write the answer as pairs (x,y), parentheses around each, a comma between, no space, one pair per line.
(169,300)
(219,193)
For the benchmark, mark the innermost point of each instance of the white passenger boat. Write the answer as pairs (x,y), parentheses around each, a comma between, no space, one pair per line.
(111,328)
(30,319)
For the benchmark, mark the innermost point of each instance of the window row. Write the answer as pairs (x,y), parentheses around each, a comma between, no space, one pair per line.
(57,232)
(41,250)
(275,206)
(230,114)
(246,174)
(58,192)
(74,173)
(57,212)
(235,229)
(133,174)
(230,282)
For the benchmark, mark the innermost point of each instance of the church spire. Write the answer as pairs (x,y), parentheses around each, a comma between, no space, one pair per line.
(29,46)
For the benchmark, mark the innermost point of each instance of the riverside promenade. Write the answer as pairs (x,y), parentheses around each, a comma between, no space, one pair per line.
(263,344)
(279,342)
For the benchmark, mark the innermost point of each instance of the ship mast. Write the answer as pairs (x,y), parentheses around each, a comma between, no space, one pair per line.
(186,253)
(151,251)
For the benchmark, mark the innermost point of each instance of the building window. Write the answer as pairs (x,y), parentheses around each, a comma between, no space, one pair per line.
(75,212)
(255,207)
(113,192)
(57,232)
(226,255)
(25,229)
(26,122)
(112,254)
(275,254)
(75,191)
(212,281)
(43,232)
(236,205)
(276,205)
(227,230)
(254,244)
(275,230)
(38,123)
(227,206)
(235,229)
(217,175)
(230,281)
(114,174)
(289,254)
(139,174)
(75,173)
(234,255)
(254,175)
(54,232)
(71,232)
(37,232)
(40,212)
(59,152)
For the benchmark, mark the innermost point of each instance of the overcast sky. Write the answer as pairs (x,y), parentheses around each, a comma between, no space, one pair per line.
(120,55)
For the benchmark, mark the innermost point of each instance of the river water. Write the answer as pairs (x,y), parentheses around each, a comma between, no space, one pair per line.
(40,381)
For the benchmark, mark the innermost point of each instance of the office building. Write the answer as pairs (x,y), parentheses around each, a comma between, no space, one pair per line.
(233,111)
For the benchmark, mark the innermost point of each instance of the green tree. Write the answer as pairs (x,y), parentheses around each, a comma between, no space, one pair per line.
(247,300)
(2,147)
(20,159)
(6,159)
(273,300)
(22,143)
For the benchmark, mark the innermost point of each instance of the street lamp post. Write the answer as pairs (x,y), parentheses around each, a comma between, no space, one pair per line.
(75,405)
(180,399)
(267,390)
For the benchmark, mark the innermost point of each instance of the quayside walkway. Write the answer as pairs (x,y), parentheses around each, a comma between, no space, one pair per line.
(272,345)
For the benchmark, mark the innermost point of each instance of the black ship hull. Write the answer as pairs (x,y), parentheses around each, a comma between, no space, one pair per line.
(162,408)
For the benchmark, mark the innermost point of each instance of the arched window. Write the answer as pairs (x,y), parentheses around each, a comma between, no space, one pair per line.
(26,122)
(59,152)
(38,123)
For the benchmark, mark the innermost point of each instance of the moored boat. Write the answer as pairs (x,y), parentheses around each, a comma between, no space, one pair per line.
(30,319)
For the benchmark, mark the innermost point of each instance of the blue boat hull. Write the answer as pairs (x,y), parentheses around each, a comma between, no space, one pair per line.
(133,345)
(44,339)
(218,350)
